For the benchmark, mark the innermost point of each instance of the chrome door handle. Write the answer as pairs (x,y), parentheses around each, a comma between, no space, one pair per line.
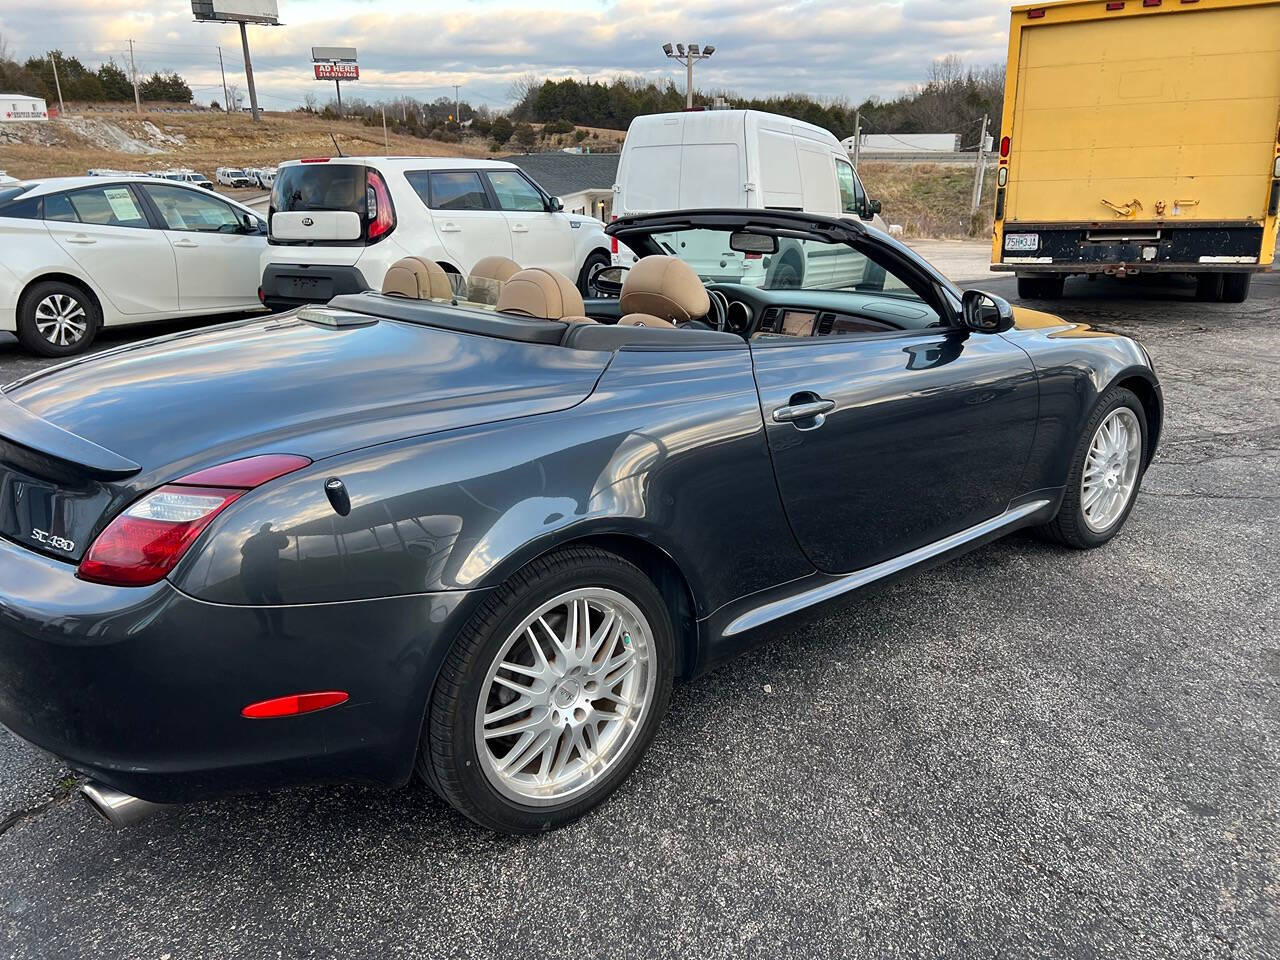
(81,238)
(815,410)
(185,243)
(450,228)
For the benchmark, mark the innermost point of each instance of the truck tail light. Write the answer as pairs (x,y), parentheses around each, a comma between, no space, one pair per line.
(146,541)
(1006,144)
(1115,5)
(1035,14)
(382,218)
(1152,3)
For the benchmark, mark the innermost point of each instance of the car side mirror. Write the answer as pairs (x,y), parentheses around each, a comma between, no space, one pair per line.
(607,283)
(555,205)
(985,312)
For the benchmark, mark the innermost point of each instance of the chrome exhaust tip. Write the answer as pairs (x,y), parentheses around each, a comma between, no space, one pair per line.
(117,808)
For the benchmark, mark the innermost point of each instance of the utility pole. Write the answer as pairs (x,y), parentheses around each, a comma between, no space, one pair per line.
(982,168)
(457,106)
(248,71)
(857,137)
(133,69)
(386,143)
(226,98)
(338,85)
(53,58)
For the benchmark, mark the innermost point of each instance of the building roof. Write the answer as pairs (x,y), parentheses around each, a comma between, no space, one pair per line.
(20,96)
(562,173)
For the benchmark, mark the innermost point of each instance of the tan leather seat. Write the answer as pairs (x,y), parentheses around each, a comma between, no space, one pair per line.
(418,279)
(488,277)
(666,288)
(543,295)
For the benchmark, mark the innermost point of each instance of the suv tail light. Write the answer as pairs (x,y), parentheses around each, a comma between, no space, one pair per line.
(382,218)
(141,545)
(613,241)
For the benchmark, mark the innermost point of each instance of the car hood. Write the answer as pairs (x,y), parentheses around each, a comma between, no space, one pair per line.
(279,385)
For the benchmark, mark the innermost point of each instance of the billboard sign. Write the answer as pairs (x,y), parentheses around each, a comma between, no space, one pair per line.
(333,54)
(337,71)
(247,11)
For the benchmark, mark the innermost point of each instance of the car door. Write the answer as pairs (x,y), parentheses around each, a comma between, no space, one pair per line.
(466,220)
(106,231)
(216,254)
(540,237)
(886,440)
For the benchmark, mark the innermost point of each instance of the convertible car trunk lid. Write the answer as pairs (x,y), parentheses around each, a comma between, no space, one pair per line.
(80,441)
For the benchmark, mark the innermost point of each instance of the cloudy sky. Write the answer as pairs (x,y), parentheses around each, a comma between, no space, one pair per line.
(828,48)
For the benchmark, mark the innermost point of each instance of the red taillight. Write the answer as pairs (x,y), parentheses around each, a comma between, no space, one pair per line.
(1035,14)
(1006,144)
(294,704)
(753,256)
(381,217)
(1116,5)
(262,296)
(613,241)
(316,160)
(141,545)
(1151,3)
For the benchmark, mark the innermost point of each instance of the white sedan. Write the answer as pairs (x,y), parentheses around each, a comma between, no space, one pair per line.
(79,253)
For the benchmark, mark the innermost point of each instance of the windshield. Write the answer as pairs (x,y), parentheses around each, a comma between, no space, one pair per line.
(797,264)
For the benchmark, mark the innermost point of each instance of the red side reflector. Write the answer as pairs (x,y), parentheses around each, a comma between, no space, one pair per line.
(316,160)
(294,704)
(1152,3)
(1035,14)
(1116,5)
(1005,144)
(248,473)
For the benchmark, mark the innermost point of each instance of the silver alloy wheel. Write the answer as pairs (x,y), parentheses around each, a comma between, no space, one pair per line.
(61,319)
(1111,469)
(565,696)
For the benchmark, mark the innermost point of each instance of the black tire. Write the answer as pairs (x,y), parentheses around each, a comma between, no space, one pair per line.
(596,262)
(44,296)
(1235,287)
(1209,287)
(1068,527)
(1040,288)
(448,758)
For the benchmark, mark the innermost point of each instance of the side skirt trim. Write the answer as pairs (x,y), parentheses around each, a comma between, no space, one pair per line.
(777,609)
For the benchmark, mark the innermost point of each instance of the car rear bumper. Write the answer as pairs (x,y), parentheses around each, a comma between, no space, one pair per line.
(142,688)
(289,285)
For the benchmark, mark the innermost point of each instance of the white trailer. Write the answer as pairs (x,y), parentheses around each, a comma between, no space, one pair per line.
(15,107)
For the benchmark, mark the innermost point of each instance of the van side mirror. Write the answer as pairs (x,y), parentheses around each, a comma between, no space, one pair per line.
(985,312)
(555,204)
(872,207)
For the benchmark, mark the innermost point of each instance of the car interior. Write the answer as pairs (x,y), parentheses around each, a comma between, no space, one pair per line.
(661,300)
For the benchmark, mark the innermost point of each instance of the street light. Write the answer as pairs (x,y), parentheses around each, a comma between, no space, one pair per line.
(688,58)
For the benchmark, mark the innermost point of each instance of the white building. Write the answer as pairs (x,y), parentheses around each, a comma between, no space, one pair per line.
(909,143)
(15,106)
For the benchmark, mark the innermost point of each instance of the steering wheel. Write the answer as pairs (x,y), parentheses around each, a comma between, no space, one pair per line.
(717,317)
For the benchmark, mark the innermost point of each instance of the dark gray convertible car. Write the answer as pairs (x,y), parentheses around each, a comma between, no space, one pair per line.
(477,539)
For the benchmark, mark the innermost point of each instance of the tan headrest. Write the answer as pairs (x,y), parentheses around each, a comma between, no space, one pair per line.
(418,279)
(501,269)
(542,294)
(488,277)
(644,320)
(665,287)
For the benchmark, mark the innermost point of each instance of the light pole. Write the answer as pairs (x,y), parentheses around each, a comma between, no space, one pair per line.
(688,57)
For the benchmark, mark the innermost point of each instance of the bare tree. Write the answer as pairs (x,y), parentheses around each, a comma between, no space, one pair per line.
(522,86)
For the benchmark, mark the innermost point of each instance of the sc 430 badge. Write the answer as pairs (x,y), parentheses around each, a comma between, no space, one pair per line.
(57,543)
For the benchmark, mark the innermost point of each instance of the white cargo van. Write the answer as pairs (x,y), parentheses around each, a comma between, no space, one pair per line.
(735,158)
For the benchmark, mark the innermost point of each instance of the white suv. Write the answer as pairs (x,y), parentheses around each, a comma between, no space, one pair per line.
(233,177)
(336,225)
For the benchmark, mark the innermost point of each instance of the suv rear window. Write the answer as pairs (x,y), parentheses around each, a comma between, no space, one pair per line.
(320,186)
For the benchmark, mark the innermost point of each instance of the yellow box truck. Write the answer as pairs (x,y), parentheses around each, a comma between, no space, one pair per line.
(1140,136)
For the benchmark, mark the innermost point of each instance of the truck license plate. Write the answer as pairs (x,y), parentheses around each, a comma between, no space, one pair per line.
(1022,241)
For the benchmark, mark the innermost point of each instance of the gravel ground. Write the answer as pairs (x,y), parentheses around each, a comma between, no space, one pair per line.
(1026,752)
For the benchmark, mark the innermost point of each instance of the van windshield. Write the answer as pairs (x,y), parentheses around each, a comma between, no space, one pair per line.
(319,187)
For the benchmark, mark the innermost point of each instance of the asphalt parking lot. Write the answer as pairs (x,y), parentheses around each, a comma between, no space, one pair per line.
(1026,752)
